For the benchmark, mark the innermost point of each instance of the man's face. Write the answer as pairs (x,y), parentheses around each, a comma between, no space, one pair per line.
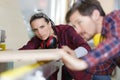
(41,28)
(84,25)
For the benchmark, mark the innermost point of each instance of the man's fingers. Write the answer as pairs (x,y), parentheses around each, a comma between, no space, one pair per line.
(67,49)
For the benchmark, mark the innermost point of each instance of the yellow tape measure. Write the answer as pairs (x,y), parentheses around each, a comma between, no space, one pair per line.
(17,72)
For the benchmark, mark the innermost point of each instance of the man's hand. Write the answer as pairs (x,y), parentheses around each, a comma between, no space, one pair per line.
(69,51)
(72,62)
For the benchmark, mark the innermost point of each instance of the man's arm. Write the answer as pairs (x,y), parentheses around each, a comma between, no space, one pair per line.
(72,62)
(107,49)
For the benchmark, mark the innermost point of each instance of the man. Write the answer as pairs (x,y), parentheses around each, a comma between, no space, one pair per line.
(103,70)
(89,19)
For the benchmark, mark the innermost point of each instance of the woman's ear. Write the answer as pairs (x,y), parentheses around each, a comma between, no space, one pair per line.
(95,15)
(50,28)
(50,23)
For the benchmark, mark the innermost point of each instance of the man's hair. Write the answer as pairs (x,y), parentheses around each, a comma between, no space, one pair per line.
(85,8)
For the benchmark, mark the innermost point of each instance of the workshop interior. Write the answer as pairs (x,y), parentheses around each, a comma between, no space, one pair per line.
(15,31)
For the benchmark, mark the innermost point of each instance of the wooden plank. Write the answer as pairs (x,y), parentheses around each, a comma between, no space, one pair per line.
(29,55)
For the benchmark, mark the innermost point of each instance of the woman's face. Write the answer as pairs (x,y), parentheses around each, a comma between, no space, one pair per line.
(41,28)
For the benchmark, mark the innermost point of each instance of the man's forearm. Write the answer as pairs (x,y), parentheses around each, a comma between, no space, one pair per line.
(73,63)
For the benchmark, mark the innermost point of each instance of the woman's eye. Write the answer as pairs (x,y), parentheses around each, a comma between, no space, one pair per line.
(34,30)
(41,26)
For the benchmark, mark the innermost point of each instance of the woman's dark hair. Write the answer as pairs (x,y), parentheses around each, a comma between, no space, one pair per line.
(47,19)
(41,15)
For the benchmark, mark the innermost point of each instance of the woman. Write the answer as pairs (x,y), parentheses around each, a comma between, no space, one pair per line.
(48,36)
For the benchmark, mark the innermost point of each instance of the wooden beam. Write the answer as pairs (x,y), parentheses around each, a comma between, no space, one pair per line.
(30,55)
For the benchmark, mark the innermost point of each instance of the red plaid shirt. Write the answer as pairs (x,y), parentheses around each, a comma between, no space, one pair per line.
(110,47)
(66,36)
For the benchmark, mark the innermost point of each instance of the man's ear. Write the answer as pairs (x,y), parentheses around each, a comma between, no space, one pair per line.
(95,15)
